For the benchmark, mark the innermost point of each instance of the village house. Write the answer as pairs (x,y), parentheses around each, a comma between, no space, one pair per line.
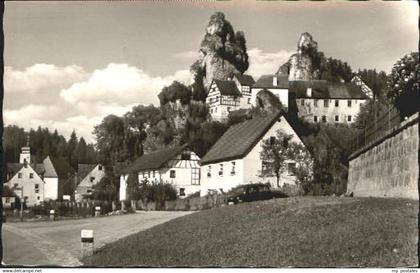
(235,158)
(278,85)
(88,175)
(40,182)
(244,84)
(177,166)
(223,97)
(320,101)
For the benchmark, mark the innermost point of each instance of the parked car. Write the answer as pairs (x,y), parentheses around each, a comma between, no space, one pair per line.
(252,192)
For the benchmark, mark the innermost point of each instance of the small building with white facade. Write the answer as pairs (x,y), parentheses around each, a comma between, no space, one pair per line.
(363,86)
(244,84)
(320,101)
(178,166)
(276,84)
(88,175)
(223,97)
(235,158)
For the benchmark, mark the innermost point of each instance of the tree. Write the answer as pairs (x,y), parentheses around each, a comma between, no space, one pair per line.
(304,170)
(274,154)
(105,189)
(173,92)
(81,151)
(71,149)
(404,84)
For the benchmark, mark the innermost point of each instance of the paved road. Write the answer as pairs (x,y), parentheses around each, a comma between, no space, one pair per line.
(58,243)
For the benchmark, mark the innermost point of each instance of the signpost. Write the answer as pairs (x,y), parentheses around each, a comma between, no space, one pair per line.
(87,242)
(97,211)
(52,215)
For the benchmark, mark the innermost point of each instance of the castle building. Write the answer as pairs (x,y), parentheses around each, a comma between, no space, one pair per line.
(320,101)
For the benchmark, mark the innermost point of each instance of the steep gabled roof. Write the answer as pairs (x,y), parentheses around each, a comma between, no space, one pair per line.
(84,169)
(244,79)
(240,138)
(266,81)
(227,88)
(153,161)
(13,168)
(57,167)
(322,89)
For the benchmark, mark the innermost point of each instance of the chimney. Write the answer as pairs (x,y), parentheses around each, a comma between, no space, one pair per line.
(309,92)
(275,80)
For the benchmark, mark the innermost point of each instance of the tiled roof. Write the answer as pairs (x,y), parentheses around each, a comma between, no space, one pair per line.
(244,79)
(57,167)
(322,89)
(15,167)
(84,169)
(240,138)
(153,161)
(266,81)
(227,88)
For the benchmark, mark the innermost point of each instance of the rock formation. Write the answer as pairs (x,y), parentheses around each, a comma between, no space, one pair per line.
(303,65)
(222,52)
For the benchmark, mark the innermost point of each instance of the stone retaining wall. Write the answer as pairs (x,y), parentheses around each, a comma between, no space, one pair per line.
(388,167)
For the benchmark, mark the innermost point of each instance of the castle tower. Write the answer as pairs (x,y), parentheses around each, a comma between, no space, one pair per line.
(25,154)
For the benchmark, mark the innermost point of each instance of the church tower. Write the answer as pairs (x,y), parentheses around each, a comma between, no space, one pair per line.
(25,154)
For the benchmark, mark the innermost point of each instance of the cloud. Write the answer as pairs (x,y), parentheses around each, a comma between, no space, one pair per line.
(122,84)
(38,77)
(266,63)
(85,98)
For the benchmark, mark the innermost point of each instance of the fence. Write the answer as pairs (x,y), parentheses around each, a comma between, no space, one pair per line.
(377,128)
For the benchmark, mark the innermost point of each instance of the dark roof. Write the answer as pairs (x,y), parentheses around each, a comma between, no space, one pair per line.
(227,88)
(15,167)
(240,138)
(62,167)
(266,81)
(84,169)
(244,79)
(153,161)
(322,89)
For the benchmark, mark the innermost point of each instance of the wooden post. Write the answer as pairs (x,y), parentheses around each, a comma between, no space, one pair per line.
(133,205)
(52,215)
(113,206)
(97,211)
(87,242)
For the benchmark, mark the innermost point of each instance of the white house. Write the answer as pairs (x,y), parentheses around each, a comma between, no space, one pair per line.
(88,175)
(235,158)
(276,84)
(178,166)
(57,173)
(223,97)
(327,102)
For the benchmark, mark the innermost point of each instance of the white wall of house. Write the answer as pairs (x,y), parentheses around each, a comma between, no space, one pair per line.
(33,186)
(248,168)
(93,178)
(220,105)
(334,110)
(281,94)
(50,188)
(123,187)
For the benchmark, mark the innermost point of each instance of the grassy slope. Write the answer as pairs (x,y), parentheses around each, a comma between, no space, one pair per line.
(302,232)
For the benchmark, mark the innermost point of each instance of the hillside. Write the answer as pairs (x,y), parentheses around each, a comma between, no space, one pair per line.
(299,232)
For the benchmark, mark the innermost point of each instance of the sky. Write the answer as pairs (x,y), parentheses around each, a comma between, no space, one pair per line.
(70,64)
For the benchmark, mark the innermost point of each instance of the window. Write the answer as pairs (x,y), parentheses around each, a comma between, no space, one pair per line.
(316,103)
(182,192)
(31,175)
(349,103)
(336,118)
(326,103)
(221,170)
(144,174)
(349,118)
(195,176)
(172,174)
(315,118)
(19,175)
(215,109)
(100,167)
(233,171)
(211,110)
(89,191)
(302,102)
(92,179)
(154,173)
(324,119)
(336,103)
(15,185)
(249,100)
(186,156)
(36,188)
(37,198)
(291,168)
(228,109)
(272,140)
(209,171)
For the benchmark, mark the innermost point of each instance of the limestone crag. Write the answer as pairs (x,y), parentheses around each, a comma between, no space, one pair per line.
(301,65)
(222,52)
